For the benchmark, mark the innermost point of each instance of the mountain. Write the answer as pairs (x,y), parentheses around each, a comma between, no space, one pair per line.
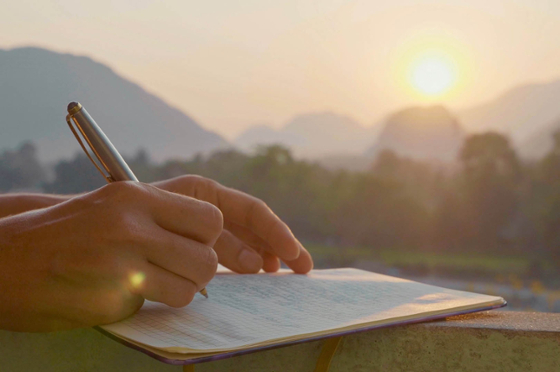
(426,133)
(265,135)
(520,112)
(36,85)
(313,135)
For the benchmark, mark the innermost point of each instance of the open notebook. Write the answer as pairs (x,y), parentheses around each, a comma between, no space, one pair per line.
(250,312)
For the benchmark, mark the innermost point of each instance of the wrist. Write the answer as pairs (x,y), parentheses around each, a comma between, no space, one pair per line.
(12,204)
(30,202)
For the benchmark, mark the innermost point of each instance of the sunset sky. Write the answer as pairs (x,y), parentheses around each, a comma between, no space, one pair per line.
(231,64)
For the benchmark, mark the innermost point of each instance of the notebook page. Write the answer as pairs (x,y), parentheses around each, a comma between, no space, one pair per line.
(248,310)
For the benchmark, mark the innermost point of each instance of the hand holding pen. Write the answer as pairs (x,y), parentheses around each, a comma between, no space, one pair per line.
(253,237)
(92,259)
(107,159)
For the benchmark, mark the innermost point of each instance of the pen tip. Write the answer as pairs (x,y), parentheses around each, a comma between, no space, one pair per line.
(203,292)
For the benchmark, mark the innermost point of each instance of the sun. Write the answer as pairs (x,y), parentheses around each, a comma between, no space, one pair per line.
(432,74)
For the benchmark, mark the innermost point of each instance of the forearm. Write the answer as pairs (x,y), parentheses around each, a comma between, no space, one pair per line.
(11,204)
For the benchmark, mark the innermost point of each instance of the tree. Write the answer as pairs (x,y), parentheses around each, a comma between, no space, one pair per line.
(20,169)
(490,174)
(547,199)
(75,176)
(142,166)
(378,213)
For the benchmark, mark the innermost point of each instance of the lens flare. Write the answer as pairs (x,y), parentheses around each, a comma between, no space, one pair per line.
(137,279)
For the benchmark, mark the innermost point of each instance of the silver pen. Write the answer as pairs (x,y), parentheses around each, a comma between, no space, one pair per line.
(109,162)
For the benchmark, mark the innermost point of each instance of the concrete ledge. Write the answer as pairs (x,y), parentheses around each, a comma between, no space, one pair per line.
(490,341)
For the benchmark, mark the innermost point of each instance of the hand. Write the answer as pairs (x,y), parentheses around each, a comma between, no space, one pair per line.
(94,259)
(253,236)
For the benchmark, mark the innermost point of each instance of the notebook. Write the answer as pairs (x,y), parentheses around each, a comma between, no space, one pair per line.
(245,313)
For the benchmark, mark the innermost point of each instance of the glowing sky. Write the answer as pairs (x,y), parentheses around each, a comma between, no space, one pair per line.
(230,64)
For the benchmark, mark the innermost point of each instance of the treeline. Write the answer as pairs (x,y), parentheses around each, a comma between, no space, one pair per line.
(488,201)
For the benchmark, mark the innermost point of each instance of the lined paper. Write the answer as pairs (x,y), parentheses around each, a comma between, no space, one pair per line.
(256,310)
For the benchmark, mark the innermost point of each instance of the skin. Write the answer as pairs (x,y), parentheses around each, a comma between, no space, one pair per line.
(68,262)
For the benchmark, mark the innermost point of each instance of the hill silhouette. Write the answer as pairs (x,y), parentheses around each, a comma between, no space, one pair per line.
(37,84)
(263,134)
(312,135)
(427,133)
(521,112)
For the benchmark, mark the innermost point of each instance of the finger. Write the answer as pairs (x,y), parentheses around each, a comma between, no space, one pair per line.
(254,214)
(156,284)
(271,263)
(247,236)
(243,210)
(301,265)
(186,216)
(236,255)
(182,256)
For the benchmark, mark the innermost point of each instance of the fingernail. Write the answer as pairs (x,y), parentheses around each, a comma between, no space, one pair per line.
(250,261)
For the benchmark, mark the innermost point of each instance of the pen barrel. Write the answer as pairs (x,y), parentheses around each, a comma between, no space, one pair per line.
(104,149)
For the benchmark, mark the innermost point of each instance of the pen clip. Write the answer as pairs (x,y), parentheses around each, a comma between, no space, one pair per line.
(101,167)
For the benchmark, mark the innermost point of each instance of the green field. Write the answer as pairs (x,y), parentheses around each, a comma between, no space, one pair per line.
(427,260)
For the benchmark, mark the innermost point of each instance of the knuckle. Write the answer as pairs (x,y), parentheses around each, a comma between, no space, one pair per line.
(125,190)
(210,265)
(207,183)
(254,210)
(215,219)
(117,187)
(86,202)
(198,179)
(259,204)
(211,262)
(206,265)
(181,184)
(188,178)
(205,188)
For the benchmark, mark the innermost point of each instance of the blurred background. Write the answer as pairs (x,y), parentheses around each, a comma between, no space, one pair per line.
(417,138)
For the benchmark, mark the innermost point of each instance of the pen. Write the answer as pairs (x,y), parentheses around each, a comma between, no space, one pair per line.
(109,162)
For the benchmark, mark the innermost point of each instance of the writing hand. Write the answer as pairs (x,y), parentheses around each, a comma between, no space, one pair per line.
(94,259)
(253,236)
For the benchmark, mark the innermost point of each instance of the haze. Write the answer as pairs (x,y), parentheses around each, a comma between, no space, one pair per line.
(233,64)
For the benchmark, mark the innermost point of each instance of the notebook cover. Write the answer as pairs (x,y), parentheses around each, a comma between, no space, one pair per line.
(250,350)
